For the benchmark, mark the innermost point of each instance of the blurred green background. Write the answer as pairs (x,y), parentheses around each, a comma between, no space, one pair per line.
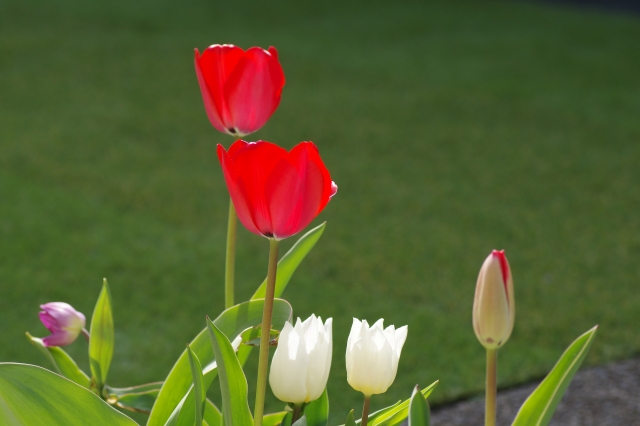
(451,129)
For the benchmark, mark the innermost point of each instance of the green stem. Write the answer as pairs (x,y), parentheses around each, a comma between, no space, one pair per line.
(297,410)
(86,335)
(230,265)
(365,410)
(263,363)
(491,388)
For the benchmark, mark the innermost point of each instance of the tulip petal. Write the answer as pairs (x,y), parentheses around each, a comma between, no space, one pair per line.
(60,338)
(253,89)
(294,191)
(238,193)
(213,69)
(329,187)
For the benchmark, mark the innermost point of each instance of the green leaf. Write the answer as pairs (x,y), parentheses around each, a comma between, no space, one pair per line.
(350,421)
(418,409)
(62,362)
(233,384)
(302,421)
(317,412)
(273,419)
(231,322)
(212,416)
(251,336)
(398,412)
(31,395)
(134,398)
(101,341)
(286,421)
(538,409)
(288,264)
(200,393)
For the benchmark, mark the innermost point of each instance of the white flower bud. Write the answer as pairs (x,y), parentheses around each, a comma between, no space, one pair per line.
(372,356)
(301,363)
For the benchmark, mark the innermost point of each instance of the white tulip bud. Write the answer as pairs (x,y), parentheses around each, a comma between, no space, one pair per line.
(494,307)
(372,356)
(301,363)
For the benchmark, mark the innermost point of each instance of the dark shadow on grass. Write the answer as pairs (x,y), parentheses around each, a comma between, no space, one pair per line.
(619,6)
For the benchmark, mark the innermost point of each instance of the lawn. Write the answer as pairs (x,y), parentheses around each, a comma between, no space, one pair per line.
(451,129)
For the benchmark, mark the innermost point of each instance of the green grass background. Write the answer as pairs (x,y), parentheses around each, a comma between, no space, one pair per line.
(451,129)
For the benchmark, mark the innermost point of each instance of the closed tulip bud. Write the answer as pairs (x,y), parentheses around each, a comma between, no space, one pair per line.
(64,323)
(301,363)
(372,356)
(494,306)
(240,89)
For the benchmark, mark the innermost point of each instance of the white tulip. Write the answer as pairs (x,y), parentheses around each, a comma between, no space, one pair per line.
(372,356)
(301,363)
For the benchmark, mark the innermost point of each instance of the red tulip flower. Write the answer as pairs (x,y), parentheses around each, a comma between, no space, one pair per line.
(240,89)
(276,193)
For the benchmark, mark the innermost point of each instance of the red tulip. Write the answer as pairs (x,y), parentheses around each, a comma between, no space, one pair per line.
(276,193)
(240,89)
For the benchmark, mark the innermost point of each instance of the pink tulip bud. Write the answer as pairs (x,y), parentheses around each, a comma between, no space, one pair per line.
(64,323)
(494,308)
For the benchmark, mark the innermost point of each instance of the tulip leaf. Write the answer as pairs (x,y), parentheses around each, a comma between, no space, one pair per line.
(302,421)
(317,412)
(419,414)
(233,383)
(31,395)
(274,419)
(63,363)
(251,336)
(200,393)
(135,398)
(101,340)
(538,409)
(288,264)
(212,416)
(350,420)
(232,322)
(288,418)
(398,412)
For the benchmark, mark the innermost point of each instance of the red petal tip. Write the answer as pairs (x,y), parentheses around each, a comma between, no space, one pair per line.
(504,265)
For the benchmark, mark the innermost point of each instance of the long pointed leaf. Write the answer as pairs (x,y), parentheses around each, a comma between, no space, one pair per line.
(350,420)
(62,362)
(200,393)
(101,341)
(290,261)
(419,414)
(538,409)
(231,322)
(31,395)
(233,384)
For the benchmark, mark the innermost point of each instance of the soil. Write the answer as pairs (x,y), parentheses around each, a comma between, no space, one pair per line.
(607,395)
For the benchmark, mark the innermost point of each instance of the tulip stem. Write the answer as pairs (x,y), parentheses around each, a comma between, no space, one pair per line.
(230,264)
(491,388)
(263,362)
(86,334)
(297,410)
(365,410)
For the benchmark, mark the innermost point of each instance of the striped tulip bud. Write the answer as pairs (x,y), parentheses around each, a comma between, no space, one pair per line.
(494,308)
